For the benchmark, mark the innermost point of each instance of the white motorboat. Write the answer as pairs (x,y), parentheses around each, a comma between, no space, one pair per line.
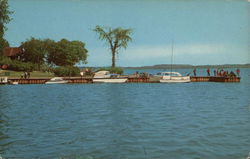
(106,77)
(174,77)
(56,80)
(12,82)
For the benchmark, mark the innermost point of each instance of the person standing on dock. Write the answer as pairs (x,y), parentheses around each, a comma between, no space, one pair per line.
(28,74)
(238,72)
(25,75)
(215,72)
(194,71)
(81,74)
(208,72)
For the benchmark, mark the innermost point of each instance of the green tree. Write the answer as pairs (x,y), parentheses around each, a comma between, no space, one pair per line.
(116,38)
(67,53)
(3,44)
(35,51)
(4,19)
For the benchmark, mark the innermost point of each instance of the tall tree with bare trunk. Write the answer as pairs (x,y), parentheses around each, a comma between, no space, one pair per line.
(117,38)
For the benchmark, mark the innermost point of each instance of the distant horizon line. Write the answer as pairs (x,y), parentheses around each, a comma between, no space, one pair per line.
(178,65)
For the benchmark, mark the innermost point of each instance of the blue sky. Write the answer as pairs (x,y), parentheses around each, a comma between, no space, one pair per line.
(204,32)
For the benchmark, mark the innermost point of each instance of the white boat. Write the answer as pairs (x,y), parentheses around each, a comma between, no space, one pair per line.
(106,77)
(56,80)
(174,77)
(12,82)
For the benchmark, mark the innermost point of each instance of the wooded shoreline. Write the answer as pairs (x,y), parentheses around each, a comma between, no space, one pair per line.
(186,66)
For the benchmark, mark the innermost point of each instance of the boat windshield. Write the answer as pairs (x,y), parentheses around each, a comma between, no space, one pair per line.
(56,79)
(114,75)
(166,74)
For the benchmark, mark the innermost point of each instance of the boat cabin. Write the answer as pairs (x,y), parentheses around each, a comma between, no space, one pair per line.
(168,74)
(102,74)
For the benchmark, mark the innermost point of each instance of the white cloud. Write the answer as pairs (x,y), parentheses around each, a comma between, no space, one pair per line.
(178,50)
(183,54)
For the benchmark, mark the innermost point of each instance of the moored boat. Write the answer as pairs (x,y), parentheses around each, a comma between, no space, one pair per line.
(12,82)
(56,80)
(106,77)
(174,77)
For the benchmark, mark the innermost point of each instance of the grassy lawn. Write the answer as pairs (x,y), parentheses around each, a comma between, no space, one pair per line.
(32,74)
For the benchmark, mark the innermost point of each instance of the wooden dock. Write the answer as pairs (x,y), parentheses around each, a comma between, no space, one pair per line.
(214,79)
(43,80)
(138,80)
(130,80)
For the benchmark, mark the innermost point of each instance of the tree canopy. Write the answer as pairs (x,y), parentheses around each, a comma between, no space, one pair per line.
(67,53)
(117,38)
(4,15)
(35,51)
(4,19)
(3,44)
(39,53)
(61,53)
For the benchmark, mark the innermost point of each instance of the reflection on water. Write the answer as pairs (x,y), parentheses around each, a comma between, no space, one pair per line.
(117,121)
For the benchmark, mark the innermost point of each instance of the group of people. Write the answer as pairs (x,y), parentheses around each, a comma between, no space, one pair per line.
(86,72)
(141,74)
(25,75)
(225,73)
(220,72)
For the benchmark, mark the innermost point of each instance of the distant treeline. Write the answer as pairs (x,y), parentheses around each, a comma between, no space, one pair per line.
(183,66)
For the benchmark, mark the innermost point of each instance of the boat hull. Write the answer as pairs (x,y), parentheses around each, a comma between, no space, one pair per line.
(110,80)
(181,79)
(174,81)
(57,82)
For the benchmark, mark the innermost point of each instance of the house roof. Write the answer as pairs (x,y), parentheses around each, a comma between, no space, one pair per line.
(12,51)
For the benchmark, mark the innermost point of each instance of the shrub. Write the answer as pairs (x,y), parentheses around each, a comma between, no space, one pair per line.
(21,66)
(115,70)
(66,71)
(45,68)
(5,60)
(16,65)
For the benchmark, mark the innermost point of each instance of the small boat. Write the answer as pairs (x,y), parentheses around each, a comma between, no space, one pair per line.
(106,77)
(56,80)
(174,77)
(12,82)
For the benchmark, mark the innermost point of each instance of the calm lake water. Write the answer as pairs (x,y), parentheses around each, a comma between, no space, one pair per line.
(126,121)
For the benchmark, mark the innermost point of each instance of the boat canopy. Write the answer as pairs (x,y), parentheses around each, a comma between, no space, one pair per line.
(56,79)
(102,74)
